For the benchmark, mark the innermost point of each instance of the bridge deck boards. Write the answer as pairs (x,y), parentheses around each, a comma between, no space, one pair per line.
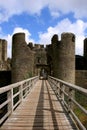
(40,110)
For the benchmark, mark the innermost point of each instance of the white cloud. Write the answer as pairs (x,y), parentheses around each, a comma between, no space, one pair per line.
(78,28)
(55,14)
(10,7)
(64,7)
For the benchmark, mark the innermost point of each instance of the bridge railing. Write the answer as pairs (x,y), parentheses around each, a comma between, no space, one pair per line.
(13,95)
(66,93)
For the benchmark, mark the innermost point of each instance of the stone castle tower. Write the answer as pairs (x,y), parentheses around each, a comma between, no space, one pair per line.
(27,60)
(85,48)
(3,50)
(3,54)
(22,58)
(62,57)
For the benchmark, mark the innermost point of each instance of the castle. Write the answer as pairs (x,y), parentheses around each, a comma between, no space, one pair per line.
(28,60)
(57,59)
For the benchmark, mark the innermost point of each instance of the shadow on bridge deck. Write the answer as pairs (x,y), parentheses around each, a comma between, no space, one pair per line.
(40,110)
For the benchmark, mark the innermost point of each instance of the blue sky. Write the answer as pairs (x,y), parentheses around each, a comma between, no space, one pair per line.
(41,19)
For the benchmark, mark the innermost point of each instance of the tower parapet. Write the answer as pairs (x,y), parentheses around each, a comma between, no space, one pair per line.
(37,46)
(42,46)
(30,45)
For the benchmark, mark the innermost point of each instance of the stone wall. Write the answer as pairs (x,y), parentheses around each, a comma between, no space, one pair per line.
(81,78)
(58,57)
(40,59)
(85,48)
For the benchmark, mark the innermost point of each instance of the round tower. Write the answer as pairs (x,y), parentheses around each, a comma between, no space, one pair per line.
(22,58)
(64,58)
(4,50)
(66,64)
(54,54)
(85,48)
(0,49)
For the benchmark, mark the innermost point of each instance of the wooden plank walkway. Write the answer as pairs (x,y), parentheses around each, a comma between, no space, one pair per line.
(40,110)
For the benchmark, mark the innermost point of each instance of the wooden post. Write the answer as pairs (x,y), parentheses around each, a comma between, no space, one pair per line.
(62,88)
(10,96)
(58,88)
(69,100)
(21,93)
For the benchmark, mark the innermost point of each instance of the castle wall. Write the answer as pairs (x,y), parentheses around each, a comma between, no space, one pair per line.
(81,78)
(59,56)
(40,58)
(22,58)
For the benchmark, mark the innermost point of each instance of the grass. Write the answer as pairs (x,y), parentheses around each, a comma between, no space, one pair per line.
(82,100)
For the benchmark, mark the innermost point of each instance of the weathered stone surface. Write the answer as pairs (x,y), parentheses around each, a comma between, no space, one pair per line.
(3,50)
(3,55)
(63,57)
(25,58)
(22,58)
(85,48)
(58,58)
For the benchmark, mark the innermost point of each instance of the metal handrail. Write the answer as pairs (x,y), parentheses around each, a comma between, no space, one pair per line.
(59,86)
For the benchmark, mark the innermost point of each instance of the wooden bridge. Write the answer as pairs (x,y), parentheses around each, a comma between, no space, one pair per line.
(35,104)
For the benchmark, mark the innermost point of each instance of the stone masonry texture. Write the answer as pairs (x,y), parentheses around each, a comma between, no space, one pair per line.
(58,58)
(22,58)
(63,57)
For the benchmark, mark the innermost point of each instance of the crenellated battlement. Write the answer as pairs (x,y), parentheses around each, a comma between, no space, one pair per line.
(35,46)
